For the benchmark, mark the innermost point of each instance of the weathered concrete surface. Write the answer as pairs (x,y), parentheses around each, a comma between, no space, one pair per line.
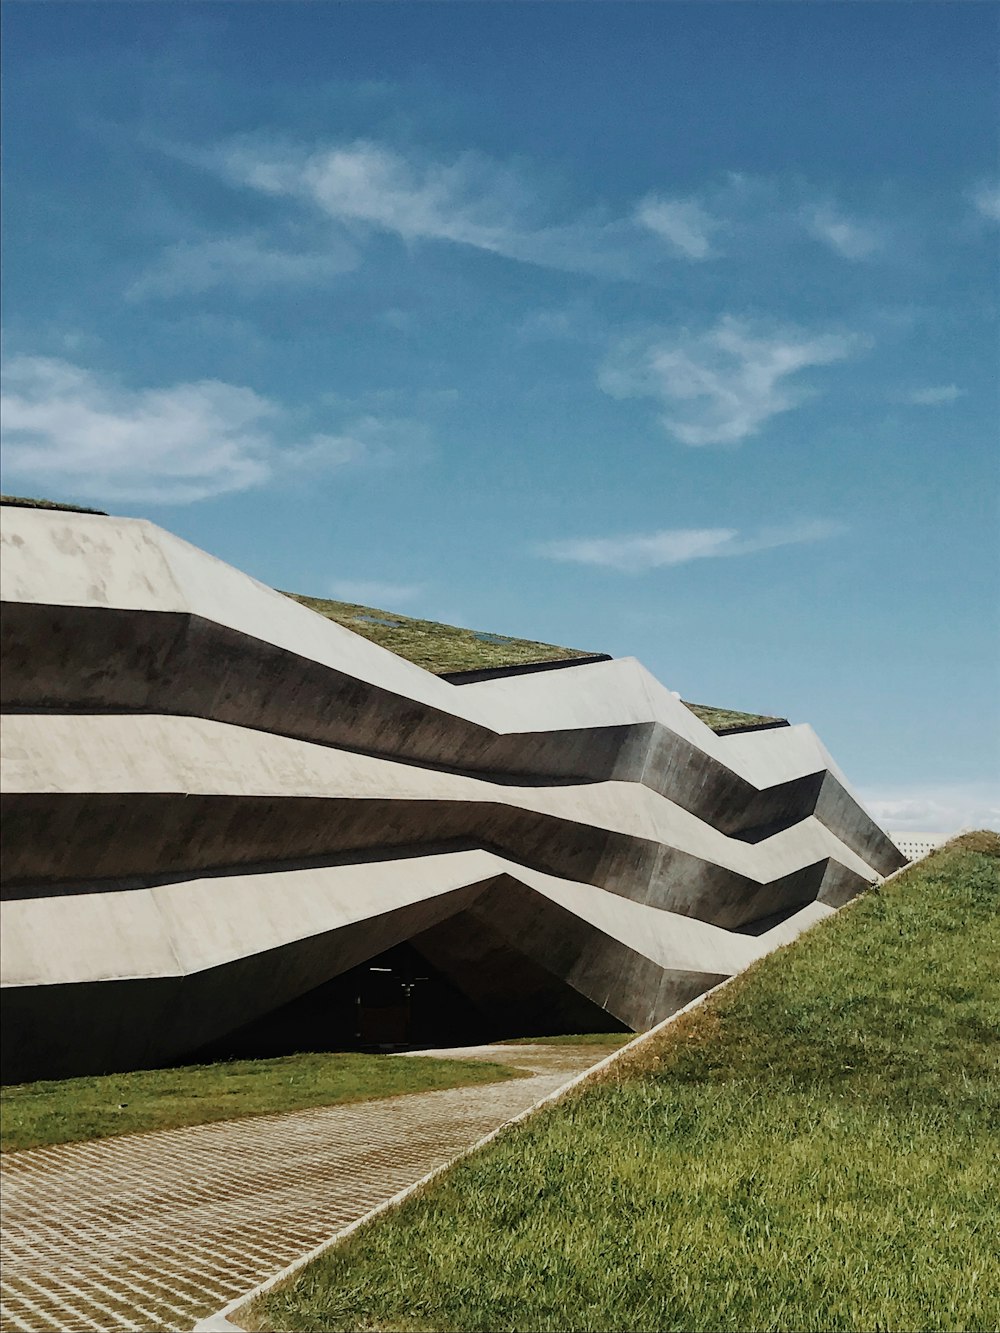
(122,978)
(155,1231)
(57,769)
(216,800)
(172,629)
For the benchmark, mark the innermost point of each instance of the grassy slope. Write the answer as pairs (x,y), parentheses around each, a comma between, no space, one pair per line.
(811,1149)
(74,1109)
(442,648)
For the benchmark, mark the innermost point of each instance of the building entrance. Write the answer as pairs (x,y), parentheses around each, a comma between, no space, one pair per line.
(391,1002)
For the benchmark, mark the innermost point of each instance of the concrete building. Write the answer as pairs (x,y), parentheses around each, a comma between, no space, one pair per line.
(223,811)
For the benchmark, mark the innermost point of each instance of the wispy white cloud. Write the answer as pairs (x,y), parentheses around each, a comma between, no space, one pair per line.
(721,386)
(935,807)
(756,211)
(935,395)
(66,427)
(249,261)
(368,183)
(636,553)
(470,200)
(986,199)
(684,224)
(377,441)
(849,238)
(326,450)
(372,592)
(576,321)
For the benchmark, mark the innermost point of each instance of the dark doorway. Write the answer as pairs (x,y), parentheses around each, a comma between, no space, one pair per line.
(403,1000)
(391,1002)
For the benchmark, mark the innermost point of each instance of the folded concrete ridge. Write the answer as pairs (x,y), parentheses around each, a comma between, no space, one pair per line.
(216,800)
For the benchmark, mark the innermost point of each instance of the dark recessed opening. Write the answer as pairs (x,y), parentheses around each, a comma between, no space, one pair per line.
(394,1000)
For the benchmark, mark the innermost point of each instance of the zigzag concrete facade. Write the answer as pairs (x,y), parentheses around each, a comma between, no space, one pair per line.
(216,801)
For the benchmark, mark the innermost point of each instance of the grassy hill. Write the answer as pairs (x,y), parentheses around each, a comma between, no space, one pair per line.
(444,648)
(813,1148)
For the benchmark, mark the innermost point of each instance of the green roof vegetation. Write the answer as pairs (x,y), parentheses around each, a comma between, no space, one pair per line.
(435,647)
(812,1148)
(29,502)
(722,720)
(446,648)
(70,1110)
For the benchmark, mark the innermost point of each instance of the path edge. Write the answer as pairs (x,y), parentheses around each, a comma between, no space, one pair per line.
(221,1321)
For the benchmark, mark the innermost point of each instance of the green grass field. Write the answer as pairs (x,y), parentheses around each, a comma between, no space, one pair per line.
(74,1109)
(813,1148)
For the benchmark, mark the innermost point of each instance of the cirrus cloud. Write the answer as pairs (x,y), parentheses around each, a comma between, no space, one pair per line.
(470,200)
(849,238)
(986,200)
(684,224)
(250,261)
(346,191)
(636,553)
(723,385)
(935,395)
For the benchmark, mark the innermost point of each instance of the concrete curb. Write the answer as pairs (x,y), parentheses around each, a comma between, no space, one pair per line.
(220,1322)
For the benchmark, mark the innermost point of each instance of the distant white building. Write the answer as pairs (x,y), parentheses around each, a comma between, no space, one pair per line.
(915,845)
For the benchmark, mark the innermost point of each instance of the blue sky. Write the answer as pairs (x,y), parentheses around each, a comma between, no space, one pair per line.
(667,330)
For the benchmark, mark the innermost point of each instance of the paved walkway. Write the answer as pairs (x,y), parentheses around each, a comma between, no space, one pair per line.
(155,1231)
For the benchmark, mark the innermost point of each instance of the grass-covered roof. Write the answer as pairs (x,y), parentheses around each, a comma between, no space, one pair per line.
(449,648)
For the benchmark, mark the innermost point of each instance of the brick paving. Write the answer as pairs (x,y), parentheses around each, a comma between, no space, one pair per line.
(155,1231)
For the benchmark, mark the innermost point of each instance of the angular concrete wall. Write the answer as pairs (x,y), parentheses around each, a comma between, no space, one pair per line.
(215,800)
